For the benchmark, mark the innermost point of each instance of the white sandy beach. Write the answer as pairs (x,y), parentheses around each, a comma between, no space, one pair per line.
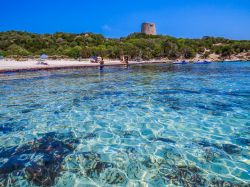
(7,65)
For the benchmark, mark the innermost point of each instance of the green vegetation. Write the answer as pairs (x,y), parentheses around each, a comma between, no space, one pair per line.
(23,44)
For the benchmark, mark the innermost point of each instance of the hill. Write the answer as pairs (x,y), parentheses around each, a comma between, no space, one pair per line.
(84,45)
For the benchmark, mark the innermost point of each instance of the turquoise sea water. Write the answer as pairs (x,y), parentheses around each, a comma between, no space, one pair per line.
(155,125)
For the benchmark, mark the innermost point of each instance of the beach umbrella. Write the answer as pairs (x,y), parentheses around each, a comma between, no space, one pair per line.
(43,56)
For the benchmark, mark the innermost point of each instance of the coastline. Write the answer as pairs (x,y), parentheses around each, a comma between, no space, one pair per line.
(10,65)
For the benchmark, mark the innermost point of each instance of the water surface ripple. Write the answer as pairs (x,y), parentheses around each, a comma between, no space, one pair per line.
(155,125)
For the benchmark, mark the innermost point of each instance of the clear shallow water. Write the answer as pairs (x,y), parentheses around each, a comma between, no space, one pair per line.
(155,125)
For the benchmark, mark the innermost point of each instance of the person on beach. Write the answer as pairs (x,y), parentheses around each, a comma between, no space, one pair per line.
(124,59)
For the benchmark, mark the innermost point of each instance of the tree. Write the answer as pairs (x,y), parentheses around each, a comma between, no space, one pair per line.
(17,50)
(188,52)
(206,55)
(226,51)
(170,49)
(2,53)
(74,52)
(86,52)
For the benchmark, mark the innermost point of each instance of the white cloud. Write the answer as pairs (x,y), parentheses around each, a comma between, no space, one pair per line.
(106,27)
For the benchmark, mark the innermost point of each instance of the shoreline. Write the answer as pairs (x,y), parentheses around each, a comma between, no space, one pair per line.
(9,65)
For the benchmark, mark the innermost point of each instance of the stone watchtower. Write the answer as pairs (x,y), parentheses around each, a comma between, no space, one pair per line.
(148,28)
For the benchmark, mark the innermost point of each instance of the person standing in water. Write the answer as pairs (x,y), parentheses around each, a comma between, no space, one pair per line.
(101,64)
(126,58)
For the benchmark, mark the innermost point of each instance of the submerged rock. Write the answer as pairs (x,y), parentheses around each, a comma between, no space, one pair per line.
(243,141)
(89,162)
(205,143)
(40,160)
(166,140)
(227,148)
(114,177)
(90,136)
(172,154)
(129,134)
(135,170)
(222,183)
(97,168)
(186,176)
(212,153)
(5,129)
(231,149)
(12,126)
(76,102)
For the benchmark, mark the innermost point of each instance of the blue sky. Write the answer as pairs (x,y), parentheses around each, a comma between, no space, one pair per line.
(116,18)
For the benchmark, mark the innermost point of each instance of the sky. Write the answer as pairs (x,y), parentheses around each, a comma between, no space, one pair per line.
(118,18)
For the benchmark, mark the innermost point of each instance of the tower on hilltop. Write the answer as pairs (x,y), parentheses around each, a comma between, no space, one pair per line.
(148,28)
